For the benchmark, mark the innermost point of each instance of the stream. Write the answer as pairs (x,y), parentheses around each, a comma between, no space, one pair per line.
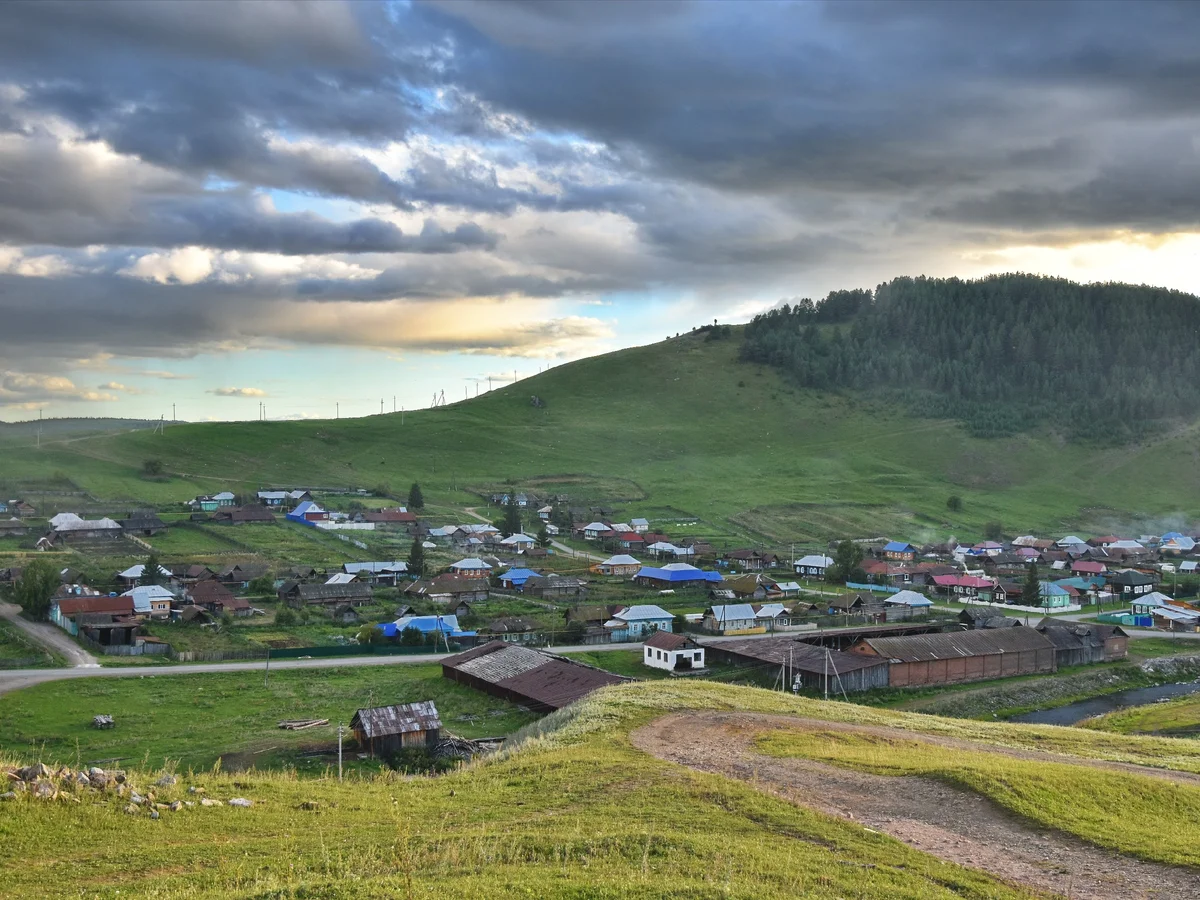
(1096,706)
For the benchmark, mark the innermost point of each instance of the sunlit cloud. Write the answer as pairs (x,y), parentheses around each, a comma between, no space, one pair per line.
(237,392)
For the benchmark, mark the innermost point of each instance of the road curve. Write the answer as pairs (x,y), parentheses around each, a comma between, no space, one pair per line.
(49,637)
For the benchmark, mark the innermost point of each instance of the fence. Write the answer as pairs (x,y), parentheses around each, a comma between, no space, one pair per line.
(147,649)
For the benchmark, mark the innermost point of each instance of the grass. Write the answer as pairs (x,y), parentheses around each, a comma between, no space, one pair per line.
(15,646)
(620,662)
(192,720)
(572,810)
(1147,817)
(1179,717)
(818,464)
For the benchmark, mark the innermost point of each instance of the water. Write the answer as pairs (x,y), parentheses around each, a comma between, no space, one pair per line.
(1098,706)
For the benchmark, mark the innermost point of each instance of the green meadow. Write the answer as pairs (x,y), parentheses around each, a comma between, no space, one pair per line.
(679,429)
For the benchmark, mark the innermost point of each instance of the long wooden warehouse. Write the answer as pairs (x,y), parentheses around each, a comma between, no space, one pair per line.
(813,665)
(959,656)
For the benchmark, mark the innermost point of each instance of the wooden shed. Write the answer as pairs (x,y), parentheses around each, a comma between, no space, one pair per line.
(961,656)
(383,730)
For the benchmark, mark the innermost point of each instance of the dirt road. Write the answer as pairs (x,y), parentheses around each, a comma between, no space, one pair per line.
(952,824)
(48,636)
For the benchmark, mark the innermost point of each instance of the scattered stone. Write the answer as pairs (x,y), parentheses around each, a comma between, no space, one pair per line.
(94,771)
(33,773)
(44,790)
(240,801)
(121,790)
(102,721)
(150,796)
(130,809)
(8,795)
(136,798)
(189,804)
(82,780)
(154,814)
(310,804)
(176,806)
(166,781)
(63,774)
(204,801)
(195,790)
(119,777)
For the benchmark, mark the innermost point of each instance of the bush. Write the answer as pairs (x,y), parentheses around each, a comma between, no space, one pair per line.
(954,503)
(153,468)
(993,531)
(419,761)
(286,617)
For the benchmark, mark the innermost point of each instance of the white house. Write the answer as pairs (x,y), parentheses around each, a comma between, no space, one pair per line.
(151,600)
(813,566)
(519,542)
(640,526)
(594,530)
(672,652)
(621,564)
(471,567)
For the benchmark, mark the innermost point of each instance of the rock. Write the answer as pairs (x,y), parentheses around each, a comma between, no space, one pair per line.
(94,771)
(119,777)
(189,804)
(204,801)
(150,796)
(154,814)
(195,790)
(63,774)
(162,805)
(176,806)
(8,795)
(310,804)
(240,801)
(33,773)
(98,779)
(121,789)
(44,790)
(82,780)
(166,781)
(136,798)
(131,810)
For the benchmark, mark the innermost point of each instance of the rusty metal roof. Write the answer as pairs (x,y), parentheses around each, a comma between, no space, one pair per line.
(402,718)
(958,644)
(541,678)
(802,656)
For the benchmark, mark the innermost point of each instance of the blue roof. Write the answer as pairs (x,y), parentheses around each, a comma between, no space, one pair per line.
(425,625)
(519,576)
(676,576)
(1082,583)
(1049,589)
(898,547)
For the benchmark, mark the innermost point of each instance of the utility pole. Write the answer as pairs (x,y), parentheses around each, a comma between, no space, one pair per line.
(337,411)
(173,419)
(381,406)
(402,415)
(341,730)
(267,670)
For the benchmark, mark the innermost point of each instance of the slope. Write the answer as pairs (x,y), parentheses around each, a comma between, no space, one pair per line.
(677,429)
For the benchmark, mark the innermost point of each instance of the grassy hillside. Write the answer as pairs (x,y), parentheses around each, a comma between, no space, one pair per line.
(576,811)
(682,432)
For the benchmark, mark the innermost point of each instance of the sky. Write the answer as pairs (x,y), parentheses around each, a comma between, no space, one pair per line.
(220,210)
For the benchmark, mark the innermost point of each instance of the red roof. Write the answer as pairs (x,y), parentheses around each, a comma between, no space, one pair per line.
(1092,568)
(72,606)
(389,515)
(665,640)
(631,536)
(970,581)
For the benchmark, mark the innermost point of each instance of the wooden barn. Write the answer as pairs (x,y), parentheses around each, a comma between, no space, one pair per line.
(960,656)
(383,730)
(1079,643)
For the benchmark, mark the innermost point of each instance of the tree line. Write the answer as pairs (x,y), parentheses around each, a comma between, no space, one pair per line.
(1002,354)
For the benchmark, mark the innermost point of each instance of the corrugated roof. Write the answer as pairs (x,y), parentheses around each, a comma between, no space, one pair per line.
(502,663)
(802,656)
(403,718)
(665,640)
(541,678)
(957,644)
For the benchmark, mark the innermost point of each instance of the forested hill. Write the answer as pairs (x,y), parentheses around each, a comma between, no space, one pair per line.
(1003,354)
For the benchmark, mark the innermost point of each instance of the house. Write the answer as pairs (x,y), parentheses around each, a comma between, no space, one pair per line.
(627,540)
(557,587)
(967,586)
(899,551)
(343,614)
(216,598)
(471,567)
(432,628)
(186,574)
(595,531)
(1071,542)
(250,514)
(986,617)
(377,572)
(78,601)
(241,574)
(1145,604)
(1079,644)
(1053,596)
(13,527)
(384,730)
(906,605)
(1173,618)
(732,618)
(675,575)
(672,652)
(21,509)
(813,565)
(617,565)
(308,511)
(68,528)
(1087,567)
(635,622)
(518,542)
(848,604)
(151,600)
(299,595)
(750,587)
(751,560)
(389,518)
(1130,583)
(515,579)
(641,526)
(134,574)
(959,656)
(545,513)
(512,630)
(446,589)
(283,498)
(535,679)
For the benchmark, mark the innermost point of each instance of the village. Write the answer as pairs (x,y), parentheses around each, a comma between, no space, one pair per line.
(509,605)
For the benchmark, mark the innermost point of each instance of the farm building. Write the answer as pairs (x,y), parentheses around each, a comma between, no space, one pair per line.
(532,678)
(557,587)
(250,514)
(672,652)
(807,662)
(733,618)
(383,730)
(376,572)
(960,656)
(1079,644)
(144,522)
(447,589)
(308,511)
(297,595)
(515,579)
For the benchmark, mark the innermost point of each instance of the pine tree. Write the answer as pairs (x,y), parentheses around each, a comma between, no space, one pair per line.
(416,499)
(1031,591)
(511,523)
(152,571)
(416,558)
(543,537)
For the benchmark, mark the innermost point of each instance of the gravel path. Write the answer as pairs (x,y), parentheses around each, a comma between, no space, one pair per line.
(49,636)
(952,824)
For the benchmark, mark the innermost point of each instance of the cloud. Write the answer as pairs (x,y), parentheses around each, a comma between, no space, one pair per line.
(26,390)
(237,392)
(121,388)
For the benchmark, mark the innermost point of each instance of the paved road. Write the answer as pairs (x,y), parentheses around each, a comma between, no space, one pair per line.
(49,636)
